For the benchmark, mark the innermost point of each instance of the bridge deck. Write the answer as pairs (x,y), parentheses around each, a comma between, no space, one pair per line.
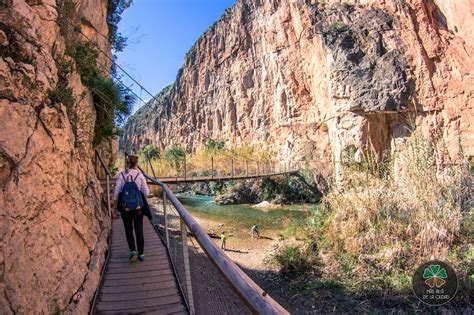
(147,287)
(194,179)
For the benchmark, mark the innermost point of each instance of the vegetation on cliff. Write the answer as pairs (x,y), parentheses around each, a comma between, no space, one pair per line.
(112,101)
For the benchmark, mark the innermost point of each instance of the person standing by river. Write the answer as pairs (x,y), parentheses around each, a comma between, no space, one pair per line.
(130,195)
(223,240)
(254,231)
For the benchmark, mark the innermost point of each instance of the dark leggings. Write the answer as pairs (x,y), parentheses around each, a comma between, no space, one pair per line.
(133,220)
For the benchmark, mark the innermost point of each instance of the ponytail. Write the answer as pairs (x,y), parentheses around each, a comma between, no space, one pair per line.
(132,162)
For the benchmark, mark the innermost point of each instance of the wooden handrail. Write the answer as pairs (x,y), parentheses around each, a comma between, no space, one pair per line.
(255,298)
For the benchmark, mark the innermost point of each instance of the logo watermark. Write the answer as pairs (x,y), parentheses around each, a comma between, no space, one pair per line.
(435,283)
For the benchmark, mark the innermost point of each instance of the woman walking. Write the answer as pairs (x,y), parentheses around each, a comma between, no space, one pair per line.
(130,195)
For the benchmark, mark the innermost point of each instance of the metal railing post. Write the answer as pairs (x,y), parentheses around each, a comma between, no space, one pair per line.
(232,168)
(257,168)
(246,168)
(167,237)
(108,194)
(187,269)
(212,167)
(184,166)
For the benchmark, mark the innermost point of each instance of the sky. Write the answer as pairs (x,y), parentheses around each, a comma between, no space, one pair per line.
(160,32)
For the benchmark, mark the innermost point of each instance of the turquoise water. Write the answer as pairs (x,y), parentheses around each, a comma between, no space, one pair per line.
(245,215)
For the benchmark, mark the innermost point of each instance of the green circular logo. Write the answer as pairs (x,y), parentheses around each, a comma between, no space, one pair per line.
(435,283)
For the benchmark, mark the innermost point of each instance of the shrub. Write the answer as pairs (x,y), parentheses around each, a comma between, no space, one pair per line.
(214,145)
(112,103)
(297,259)
(175,156)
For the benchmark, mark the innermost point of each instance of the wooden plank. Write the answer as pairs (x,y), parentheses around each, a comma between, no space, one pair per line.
(149,294)
(145,274)
(140,288)
(121,241)
(149,246)
(133,304)
(155,257)
(134,269)
(138,266)
(138,281)
(148,253)
(164,309)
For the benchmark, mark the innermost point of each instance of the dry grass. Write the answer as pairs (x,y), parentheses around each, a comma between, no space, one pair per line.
(199,162)
(382,225)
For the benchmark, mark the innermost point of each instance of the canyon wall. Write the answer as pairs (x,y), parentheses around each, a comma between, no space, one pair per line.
(307,80)
(53,228)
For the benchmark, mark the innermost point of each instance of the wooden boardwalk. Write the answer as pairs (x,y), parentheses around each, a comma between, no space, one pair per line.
(147,287)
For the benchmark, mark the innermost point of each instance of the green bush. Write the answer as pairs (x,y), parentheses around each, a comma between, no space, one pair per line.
(214,145)
(175,156)
(297,259)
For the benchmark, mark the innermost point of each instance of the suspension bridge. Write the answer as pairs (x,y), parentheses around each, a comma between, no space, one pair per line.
(184,271)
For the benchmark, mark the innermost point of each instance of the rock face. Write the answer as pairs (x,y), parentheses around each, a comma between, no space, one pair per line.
(53,228)
(307,80)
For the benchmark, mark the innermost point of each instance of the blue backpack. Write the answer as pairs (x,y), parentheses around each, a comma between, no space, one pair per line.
(131,198)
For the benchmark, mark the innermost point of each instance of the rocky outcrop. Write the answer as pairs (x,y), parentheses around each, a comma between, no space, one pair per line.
(53,228)
(307,80)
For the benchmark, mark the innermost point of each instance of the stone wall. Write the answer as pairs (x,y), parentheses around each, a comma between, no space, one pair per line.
(53,228)
(308,79)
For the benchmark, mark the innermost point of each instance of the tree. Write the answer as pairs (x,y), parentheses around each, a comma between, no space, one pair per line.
(149,153)
(174,156)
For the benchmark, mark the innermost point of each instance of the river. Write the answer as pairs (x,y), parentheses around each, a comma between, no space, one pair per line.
(243,216)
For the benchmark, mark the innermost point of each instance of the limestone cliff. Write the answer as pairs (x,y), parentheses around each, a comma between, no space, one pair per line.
(308,79)
(53,228)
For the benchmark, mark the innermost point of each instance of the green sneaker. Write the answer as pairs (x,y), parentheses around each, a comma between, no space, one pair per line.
(133,256)
(141,257)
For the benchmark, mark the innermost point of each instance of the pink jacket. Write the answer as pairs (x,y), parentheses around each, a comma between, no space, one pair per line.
(141,182)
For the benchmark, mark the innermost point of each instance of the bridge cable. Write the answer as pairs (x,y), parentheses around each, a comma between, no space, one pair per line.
(205,137)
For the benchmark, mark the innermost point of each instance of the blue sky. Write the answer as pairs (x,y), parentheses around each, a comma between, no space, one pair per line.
(160,32)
